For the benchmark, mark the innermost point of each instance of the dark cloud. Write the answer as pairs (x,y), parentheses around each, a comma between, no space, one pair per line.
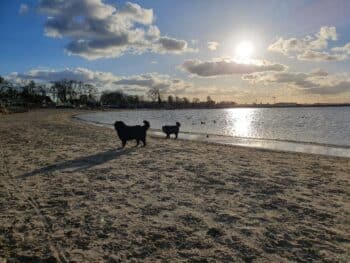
(172,44)
(153,80)
(228,67)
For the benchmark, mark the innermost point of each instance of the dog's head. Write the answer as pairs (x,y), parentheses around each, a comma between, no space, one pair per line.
(178,124)
(119,125)
(147,125)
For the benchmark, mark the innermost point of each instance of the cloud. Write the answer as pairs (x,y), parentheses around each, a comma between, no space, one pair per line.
(314,82)
(172,44)
(78,74)
(98,30)
(144,82)
(212,45)
(228,67)
(23,9)
(312,55)
(317,42)
(328,32)
(312,48)
(344,49)
(106,80)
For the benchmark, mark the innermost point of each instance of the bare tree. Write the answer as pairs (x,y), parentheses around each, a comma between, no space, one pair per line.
(154,94)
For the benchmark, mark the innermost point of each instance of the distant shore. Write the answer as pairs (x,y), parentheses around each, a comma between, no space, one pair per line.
(67,194)
(20,109)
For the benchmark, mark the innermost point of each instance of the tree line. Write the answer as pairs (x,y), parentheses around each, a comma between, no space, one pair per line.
(73,93)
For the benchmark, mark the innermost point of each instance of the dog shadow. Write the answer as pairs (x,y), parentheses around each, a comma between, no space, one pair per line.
(80,164)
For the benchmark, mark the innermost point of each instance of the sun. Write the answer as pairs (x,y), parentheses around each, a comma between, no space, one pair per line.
(244,49)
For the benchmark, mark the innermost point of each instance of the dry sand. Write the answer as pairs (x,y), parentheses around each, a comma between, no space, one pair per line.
(67,195)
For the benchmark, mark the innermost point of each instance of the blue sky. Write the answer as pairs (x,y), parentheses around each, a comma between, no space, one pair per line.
(299,47)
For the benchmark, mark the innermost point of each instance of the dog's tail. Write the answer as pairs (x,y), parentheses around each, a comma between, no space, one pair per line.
(178,124)
(147,125)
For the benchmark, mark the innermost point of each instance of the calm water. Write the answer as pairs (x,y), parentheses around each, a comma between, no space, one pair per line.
(315,130)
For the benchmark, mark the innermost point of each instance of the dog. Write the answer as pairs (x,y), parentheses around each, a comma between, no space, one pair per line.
(128,133)
(171,130)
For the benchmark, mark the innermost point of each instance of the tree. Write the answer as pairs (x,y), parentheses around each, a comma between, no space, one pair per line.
(115,98)
(66,90)
(154,94)
(177,100)
(210,101)
(185,100)
(170,99)
(195,101)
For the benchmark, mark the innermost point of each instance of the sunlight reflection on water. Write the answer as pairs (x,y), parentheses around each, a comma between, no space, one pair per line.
(241,122)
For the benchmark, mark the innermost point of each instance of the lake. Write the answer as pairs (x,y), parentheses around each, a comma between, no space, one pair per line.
(322,130)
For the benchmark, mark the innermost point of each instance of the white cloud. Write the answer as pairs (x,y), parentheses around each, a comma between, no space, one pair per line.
(79,74)
(106,80)
(99,30)
(317,42)
(312,48)
(344,49)
(312,55)
(23,9)
(228,67)
(328,32)
(212,45)
(315,82)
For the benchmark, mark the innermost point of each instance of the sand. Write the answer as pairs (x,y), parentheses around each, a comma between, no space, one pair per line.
(68,195)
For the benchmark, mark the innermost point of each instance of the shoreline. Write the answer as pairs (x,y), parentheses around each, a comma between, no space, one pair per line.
(68,194)
(255,143)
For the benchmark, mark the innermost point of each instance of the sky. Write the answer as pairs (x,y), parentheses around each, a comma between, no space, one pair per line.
(243,51)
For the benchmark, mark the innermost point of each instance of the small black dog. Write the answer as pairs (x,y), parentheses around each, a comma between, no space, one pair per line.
(171,130)
(127,133)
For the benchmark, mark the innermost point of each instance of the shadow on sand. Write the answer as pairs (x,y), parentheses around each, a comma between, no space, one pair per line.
(81,163)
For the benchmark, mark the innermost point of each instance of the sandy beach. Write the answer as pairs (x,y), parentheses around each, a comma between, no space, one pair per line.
(68,195)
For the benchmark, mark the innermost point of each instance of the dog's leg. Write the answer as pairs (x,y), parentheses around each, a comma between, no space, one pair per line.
(167,135)
(175,136)
(123,144)
(144,141)
(137,142)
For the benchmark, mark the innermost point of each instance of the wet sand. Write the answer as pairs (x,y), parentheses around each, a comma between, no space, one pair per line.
(68,195)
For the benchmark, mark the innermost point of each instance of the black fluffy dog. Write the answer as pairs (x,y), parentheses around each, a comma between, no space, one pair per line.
(171,130)
(127,133)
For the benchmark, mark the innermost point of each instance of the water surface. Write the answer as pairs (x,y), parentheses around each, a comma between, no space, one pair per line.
(323,130)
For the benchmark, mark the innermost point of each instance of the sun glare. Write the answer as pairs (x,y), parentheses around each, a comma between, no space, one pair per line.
(244,49)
